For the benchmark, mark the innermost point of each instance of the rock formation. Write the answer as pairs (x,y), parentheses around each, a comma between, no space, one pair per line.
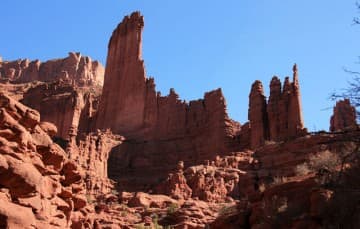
(77,69)
(190,154)
(281,117)
(155,126)
(70,108)
(91,152)
(40,186)
(344,116)
(257,115)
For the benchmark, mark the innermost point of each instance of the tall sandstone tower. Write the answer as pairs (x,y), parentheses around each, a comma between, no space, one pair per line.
(159,130)
(123,98)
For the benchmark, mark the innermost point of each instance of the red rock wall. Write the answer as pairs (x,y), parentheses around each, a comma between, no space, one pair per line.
(91,152)
(344,116)
(80,70)
(160,130)
(58,103)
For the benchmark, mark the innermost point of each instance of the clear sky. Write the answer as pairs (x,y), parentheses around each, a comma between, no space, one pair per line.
(197,46)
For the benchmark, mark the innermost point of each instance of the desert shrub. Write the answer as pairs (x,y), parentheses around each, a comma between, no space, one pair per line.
(325,164)
(279,180)
(324,161)
(89,199)
(262,187)
(114,192)
(302,169)
(227,210)
(155,219)
(173,207)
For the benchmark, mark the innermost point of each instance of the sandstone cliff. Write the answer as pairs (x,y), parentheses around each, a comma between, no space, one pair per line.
(160,130)
(77,69)
(69,108)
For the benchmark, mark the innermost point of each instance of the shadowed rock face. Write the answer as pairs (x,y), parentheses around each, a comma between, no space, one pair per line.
(77,69)
(69,108)
(344,116)
(160,130)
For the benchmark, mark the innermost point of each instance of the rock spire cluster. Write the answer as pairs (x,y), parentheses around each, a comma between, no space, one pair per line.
(279,118)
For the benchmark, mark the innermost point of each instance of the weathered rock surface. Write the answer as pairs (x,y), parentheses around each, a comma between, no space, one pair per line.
(155,126)
(219,181)
(278,119)
(69,108)
(344,116)
(258,116)
(91,152)
(192,155)
(77,69)
(33,172)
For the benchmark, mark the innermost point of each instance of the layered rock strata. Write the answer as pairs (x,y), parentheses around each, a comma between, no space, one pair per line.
(77,69)
(70,108)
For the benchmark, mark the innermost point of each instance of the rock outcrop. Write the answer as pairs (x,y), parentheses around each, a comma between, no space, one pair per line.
(77,69)
(40,185)
(91,152)
(69,108)
(278,119)
(344,116)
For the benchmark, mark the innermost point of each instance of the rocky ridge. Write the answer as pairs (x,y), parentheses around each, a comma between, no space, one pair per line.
(76,69)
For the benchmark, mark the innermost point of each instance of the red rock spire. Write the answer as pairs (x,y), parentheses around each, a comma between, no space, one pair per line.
(257,115)
(281,118)
(125,82)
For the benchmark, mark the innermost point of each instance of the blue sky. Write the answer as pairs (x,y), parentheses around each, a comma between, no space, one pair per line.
(197,46)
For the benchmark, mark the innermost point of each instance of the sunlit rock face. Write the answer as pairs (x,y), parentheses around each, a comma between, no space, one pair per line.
(77,69)
(160,130)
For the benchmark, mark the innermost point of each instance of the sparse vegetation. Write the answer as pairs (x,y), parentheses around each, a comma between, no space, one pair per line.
(324,160)
(279,180)
(262,187)
(226,210)
(324,164)
(89,199)
(114,192)
(173,207)
(302,169)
